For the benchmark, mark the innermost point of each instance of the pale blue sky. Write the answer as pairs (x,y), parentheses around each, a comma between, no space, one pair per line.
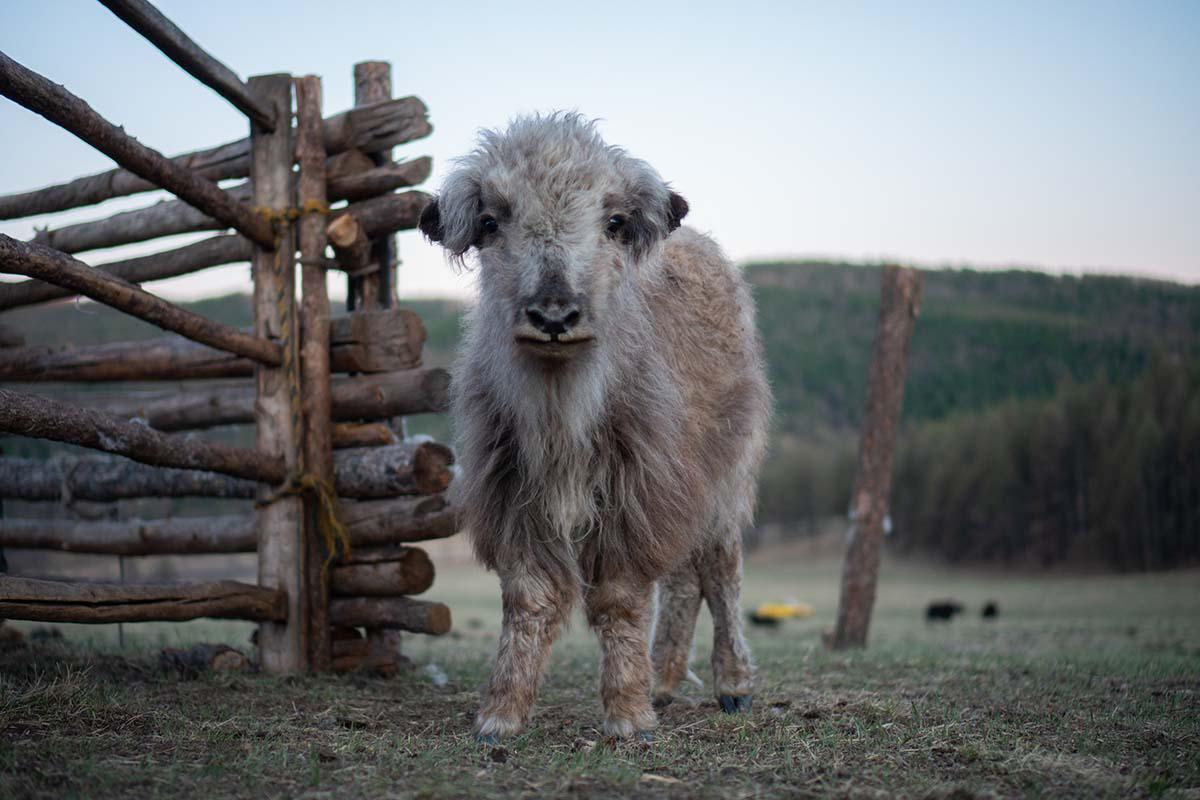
(1057,135)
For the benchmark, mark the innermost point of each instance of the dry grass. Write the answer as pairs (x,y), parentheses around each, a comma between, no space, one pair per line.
(1085,686)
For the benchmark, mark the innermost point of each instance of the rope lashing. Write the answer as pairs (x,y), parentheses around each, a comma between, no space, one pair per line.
(291,213)
(333,533)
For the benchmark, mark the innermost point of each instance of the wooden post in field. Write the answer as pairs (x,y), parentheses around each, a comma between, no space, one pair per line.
(872,485)
(314,357)
(373,84)
(283,646)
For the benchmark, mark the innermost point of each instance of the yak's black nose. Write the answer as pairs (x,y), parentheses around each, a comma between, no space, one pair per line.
(553,318)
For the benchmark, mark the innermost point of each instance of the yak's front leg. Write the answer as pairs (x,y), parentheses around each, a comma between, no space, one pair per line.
(620,613)
(534,613)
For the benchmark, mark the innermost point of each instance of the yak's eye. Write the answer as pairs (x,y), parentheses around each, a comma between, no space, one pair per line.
(615,223)
(488,223)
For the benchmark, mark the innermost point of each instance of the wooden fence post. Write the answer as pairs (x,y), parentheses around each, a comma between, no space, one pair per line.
(283,646)
(314,362)
(373,84)
(869,503)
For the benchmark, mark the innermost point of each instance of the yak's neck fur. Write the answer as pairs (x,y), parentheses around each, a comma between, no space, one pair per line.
(575,463)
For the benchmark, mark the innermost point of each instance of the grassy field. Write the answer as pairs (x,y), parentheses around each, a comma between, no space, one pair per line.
(1084,686)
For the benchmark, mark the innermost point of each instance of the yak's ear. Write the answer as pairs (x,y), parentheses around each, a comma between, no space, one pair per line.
(431,222)
(678,210)
(454,214)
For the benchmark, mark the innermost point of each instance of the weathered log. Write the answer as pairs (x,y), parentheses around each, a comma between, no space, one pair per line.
(391,394)
(193,661)
(380,340)
(103,479)
(70,112)
(179,47)
(224,249)
(176,536)
(373,525)
(345,645)
(369,128)
(901,297)
(10,337)
(385,572)
(49,265)
(407,468)
(43,418)
(90,603)
(350,245)
(362,434)
(314,357)
(366,289)
(374,342)
(363,397)
(387,213)
(380,180)
(360,474)
(281,553)
(351,162)
(169,217)
(165,218)
(405,613)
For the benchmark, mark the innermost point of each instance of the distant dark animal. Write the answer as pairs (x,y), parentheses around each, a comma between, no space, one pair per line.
(942,610)
(763,619)
(991,610)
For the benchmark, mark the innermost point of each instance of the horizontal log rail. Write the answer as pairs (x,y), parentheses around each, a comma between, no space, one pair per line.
(365,341)
(345,435)
(171,217)
(227,248)
(43,418)
(56,104)
(387,213)
(405,613)
(93,603)
(370,523)
(179,47)
(366,128)
(175,536)
(410,468)
(379,180)
(382,572)
(363,397)
(46,264)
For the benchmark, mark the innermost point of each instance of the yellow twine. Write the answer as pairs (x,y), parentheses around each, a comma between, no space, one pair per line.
(291,213)
(333,533)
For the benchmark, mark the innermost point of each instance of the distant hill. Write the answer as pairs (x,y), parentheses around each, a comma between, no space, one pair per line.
(982,337)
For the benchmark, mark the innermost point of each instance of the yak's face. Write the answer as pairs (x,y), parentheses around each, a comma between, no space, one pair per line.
(559,222)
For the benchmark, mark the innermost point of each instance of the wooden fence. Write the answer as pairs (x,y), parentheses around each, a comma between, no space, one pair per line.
(339,493)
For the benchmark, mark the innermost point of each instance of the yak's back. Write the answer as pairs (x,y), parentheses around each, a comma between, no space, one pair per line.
(705,316)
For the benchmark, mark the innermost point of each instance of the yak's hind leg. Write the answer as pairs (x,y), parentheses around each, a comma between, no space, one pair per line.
(721,585)
(534,614)
(678,607)
(620,613)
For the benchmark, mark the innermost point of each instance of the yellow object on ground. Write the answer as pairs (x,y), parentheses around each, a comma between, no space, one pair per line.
(780,611)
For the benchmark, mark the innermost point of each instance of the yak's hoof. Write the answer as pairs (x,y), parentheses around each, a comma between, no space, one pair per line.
(663,700)
(735,703)
(490,739)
